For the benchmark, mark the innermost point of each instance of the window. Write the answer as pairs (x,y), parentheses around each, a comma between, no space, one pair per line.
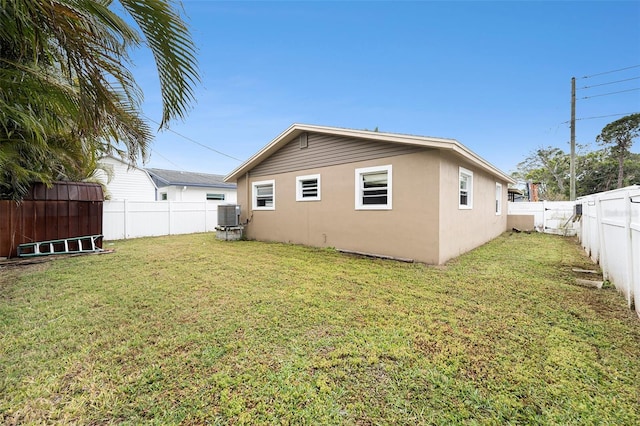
(308,188)
(264,195)
(466,188)
(498,198)
(163,196)
(216,197)
(373,188)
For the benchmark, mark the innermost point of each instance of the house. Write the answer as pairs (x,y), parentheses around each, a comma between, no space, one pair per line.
(174,185)
(123,181)
(402,196)
(516,195)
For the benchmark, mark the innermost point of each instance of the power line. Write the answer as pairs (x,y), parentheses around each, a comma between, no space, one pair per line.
(611,93)
(572,125)
(604,116)
(611,82)
(182,169)
(601,116)
(196,142)
(612,71)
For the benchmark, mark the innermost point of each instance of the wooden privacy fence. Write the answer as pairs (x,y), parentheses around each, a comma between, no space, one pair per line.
(67,209)
(610,234)
(132,219)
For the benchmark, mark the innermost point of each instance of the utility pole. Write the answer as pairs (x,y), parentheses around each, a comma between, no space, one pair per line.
(572,161)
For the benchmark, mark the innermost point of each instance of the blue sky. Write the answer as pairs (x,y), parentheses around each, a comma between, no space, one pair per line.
(496,76)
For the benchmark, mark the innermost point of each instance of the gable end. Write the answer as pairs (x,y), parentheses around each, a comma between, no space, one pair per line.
(324,150)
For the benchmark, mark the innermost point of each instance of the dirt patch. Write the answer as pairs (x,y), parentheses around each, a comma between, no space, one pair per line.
(10,272)
(10,269)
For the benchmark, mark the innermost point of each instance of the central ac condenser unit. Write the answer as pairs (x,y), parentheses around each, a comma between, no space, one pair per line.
(229,215)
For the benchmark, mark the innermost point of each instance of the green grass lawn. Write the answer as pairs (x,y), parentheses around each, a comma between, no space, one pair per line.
(187,329)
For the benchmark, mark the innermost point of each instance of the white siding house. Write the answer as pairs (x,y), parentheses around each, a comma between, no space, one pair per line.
(156,202)
(176,185)
(124,181)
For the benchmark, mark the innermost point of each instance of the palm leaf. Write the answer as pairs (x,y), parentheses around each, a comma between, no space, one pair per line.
(169,40)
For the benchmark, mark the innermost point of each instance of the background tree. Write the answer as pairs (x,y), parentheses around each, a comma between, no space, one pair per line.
(548,167)
(66,94)
(618,136)
(596,171)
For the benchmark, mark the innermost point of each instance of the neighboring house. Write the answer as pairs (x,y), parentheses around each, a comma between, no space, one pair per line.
(410,197)
(516,195)
(175,185)
(123,181)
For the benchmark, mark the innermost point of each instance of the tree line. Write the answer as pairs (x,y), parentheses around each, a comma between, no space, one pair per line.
(613,166)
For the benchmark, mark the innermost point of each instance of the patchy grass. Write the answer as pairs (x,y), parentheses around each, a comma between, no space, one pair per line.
(191,330)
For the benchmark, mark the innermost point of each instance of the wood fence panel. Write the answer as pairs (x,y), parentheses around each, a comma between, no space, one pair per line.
(66,210)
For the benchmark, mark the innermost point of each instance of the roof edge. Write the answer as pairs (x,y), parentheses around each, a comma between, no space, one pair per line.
(429,142)
(131,166)
(202,185)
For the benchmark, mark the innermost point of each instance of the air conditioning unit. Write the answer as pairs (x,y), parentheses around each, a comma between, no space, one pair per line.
(229,215)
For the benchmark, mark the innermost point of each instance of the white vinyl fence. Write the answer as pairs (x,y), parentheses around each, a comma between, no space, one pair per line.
(132,219)
(551,217)
(610,234)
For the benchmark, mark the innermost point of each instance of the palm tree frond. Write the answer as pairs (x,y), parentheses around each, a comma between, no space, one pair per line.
(169,40)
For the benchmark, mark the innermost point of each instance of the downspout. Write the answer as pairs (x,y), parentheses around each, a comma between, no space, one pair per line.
(246,193)
(247,199)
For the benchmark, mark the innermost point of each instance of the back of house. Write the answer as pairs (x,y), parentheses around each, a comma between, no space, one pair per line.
(384,194)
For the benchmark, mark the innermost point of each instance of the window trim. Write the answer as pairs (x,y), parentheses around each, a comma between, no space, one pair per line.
(469,174)
(498,199)
(254,194)
(299,194)
(359,189)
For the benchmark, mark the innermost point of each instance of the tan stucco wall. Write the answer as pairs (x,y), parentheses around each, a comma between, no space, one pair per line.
(425,223)
(463,230)
(524,222)
(409,230)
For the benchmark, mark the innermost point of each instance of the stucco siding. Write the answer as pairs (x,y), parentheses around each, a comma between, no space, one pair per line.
(328,150)
(462,230)
(408,230)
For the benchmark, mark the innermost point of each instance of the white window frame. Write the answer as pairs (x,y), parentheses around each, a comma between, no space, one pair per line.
(359,187)
(462,173)
(299,189)
(254,194)
(215,196)
(498,199)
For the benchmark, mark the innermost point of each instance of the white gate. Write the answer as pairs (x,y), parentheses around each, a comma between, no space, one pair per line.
(551,217)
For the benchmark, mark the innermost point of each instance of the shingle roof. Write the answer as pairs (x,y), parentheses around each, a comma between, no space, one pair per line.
(164,177)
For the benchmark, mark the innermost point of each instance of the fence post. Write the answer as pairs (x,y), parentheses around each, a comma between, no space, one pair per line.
(169,217)
(126,218)
(629,248)
(602,255)
(205,216)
